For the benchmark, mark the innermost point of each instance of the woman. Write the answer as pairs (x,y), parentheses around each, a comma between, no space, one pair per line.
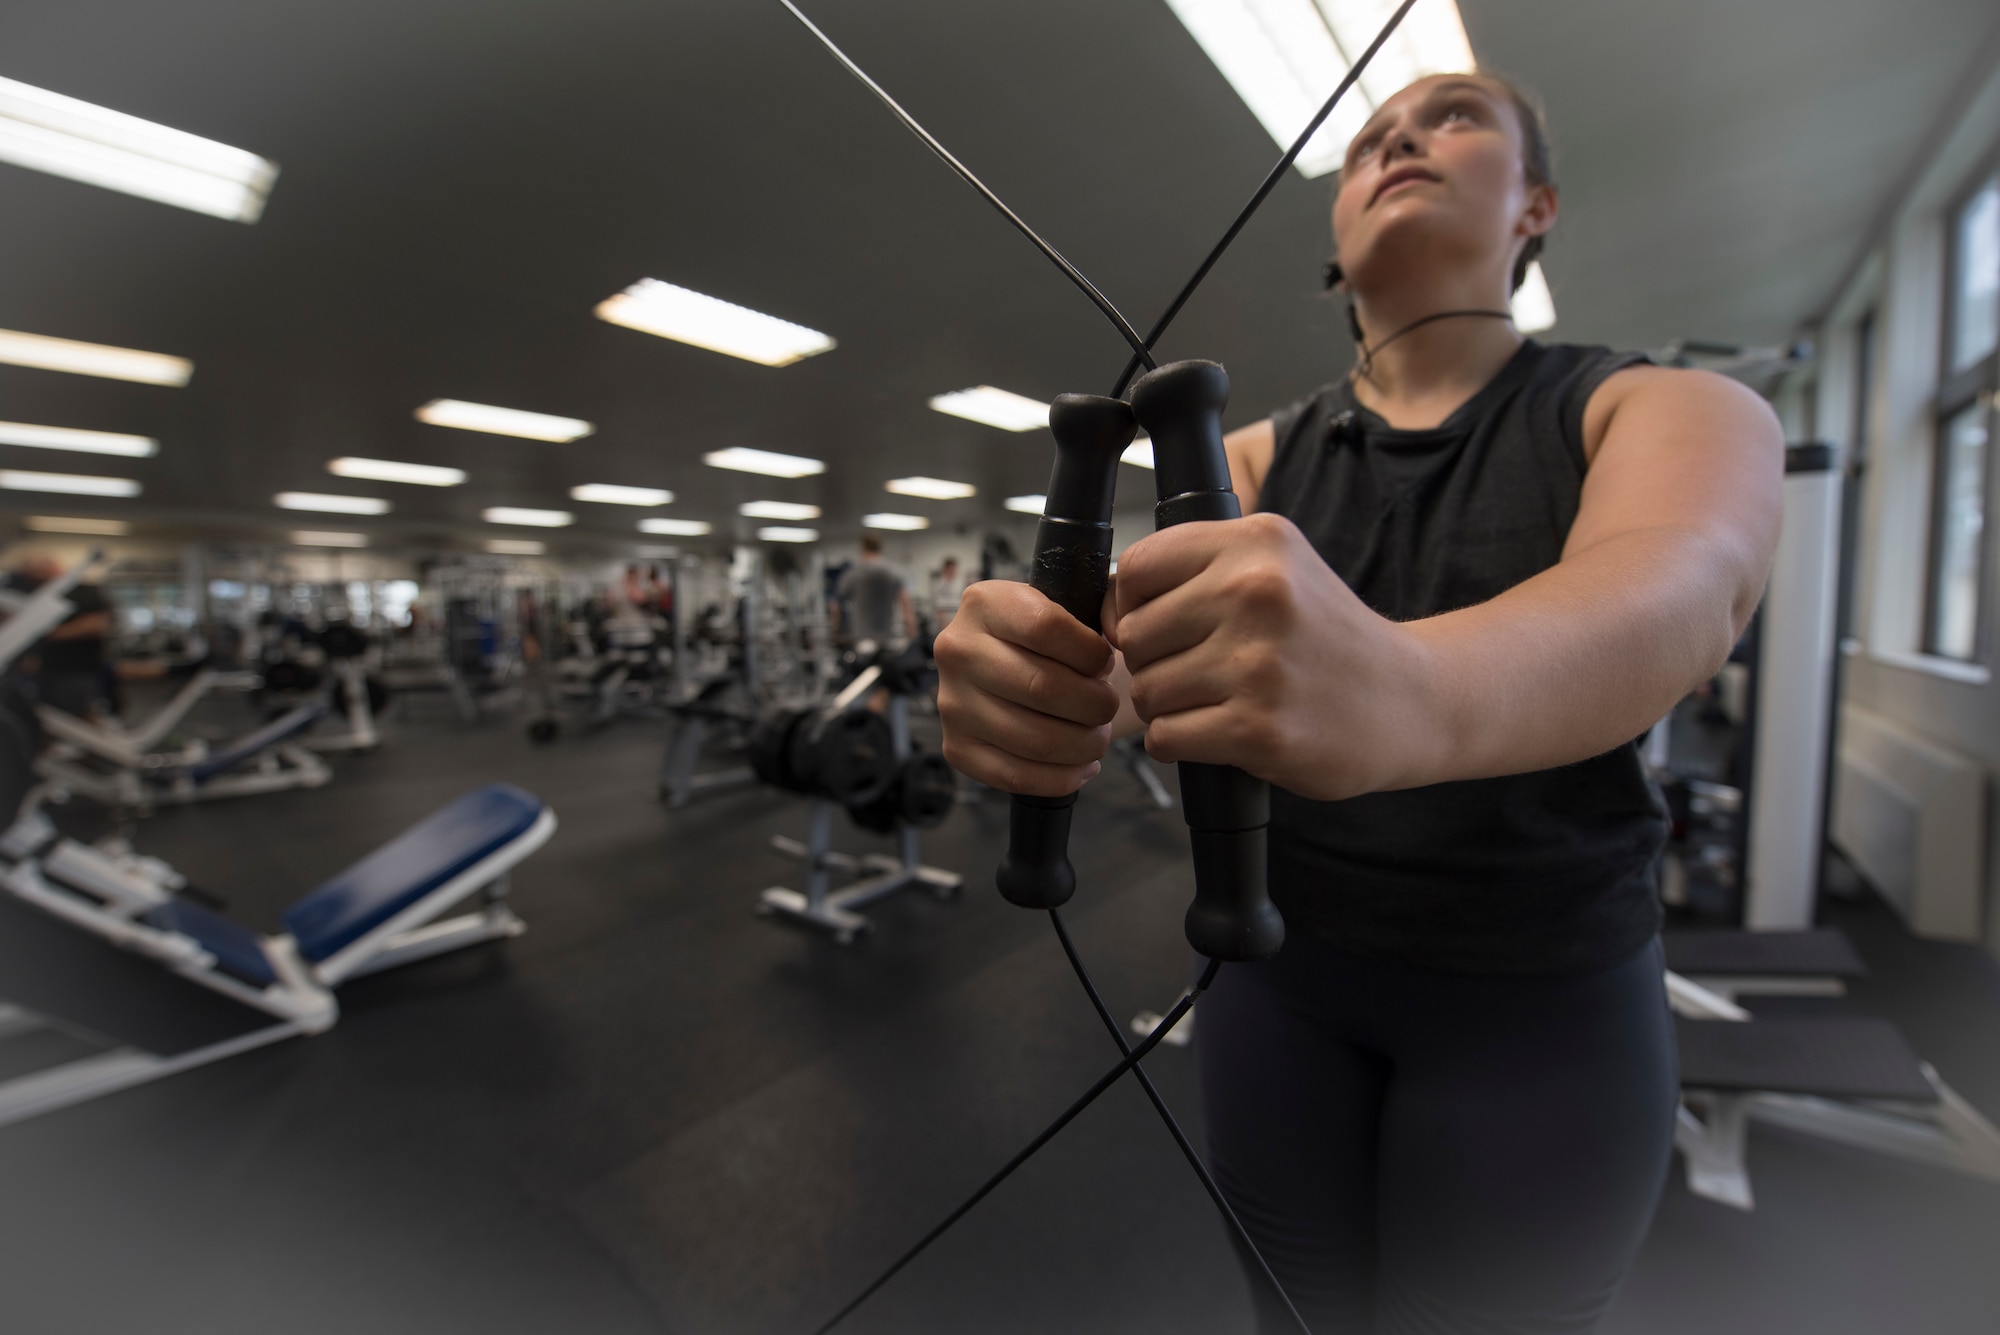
(1473,572)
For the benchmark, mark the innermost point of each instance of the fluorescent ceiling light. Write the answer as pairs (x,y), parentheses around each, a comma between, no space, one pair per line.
(74,438)
(502,421)
(1284,58)
(1139,453)
(388,470)
(63,354)
(654,307)
(607,493)
(1534,309)
(900,523)
(745,460)
(333,505)
(788,535)
(106,528)
(308,537)
(1027,505)
(677,528)
(653,551)
(73,484)
(515,547)
(777,510)
(930,488)
(65,137)
(514,514)
(994,407)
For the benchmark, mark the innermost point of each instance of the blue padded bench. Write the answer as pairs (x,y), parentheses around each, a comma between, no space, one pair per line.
(280,729)
(238,951)
(397,875)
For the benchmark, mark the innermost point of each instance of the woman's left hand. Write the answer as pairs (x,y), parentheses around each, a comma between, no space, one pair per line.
(1246,649)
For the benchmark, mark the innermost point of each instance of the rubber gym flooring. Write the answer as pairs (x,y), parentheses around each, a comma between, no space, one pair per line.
(658,1112)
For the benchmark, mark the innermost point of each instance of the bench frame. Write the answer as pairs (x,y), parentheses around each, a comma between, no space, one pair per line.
(104,890)
(1712,1126)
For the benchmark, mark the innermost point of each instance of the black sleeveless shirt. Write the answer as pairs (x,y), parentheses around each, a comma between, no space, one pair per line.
(1546,872)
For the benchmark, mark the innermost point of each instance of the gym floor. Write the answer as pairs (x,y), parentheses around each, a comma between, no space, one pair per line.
(659,1112)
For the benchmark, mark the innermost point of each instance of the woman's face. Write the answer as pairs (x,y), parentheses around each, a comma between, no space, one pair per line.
(1436,178)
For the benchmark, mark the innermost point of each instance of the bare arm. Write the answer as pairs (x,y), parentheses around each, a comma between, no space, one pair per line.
(1662,569)
(1247,650)
(87,626)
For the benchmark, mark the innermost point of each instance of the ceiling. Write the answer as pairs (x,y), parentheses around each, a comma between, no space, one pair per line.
(463,180)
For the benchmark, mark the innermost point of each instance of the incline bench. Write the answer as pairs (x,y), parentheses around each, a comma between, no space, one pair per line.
(99,942)
(1850,1079)
(91,763)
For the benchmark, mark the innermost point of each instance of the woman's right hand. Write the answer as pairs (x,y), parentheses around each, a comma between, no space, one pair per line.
(1024,692)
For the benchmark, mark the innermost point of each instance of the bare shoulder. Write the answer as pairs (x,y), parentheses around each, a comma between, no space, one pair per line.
(1250,449)
(1656,397)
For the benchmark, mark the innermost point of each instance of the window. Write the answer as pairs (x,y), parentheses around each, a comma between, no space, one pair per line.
(1955,584)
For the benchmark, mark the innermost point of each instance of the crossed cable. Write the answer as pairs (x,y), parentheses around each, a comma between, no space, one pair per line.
(1227,810)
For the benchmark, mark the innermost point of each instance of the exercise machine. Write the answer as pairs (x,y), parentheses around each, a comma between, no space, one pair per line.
(105,942)
(848,757)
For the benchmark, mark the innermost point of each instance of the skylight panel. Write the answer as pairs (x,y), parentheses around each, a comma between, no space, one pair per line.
(503,421)
(389,470)
(654,307)
(77,439)
(98,359)
(66,137)
(770,464)
(994,407)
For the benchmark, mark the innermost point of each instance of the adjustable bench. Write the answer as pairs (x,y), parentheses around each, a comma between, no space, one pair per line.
(97,941)
(1732,964)
(91,763)
(1850,1079)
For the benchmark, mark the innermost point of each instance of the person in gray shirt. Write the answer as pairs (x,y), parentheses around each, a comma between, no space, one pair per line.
(879,598)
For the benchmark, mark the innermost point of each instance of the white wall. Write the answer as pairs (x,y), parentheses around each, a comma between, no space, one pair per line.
(1955,705)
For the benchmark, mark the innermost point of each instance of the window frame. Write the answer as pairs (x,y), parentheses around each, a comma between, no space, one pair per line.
(1969,386)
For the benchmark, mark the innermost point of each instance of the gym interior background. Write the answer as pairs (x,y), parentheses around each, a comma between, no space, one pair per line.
(383,674)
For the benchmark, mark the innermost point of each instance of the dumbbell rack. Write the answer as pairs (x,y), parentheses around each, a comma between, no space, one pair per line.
(835,911)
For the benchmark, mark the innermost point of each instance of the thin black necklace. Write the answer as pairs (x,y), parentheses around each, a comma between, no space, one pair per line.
(1365,366)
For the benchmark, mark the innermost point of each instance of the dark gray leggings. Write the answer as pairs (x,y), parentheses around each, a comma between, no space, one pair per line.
(1421,1153)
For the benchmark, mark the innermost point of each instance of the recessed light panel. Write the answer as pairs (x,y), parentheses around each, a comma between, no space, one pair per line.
(73,484)
(103,528)
(896,523)
(777,510)
(930,488)
(72,438)
(744,460)
(388,470)
(677,528)
(1285,57)
(654,552)
(333,505)
(307,537)
(1534,308)
(502,421)
(514,514)
(515,547)
(607,493)
(1139,453)
(98,359)
(780,534)
(654,307)
(1027,505)
(65,137)
(994,407)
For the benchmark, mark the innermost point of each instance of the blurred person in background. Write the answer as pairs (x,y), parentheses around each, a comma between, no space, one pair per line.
(69,665)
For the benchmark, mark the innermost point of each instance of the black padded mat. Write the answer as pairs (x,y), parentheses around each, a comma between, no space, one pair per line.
(1824,952)
(1846,1057)
(83,982)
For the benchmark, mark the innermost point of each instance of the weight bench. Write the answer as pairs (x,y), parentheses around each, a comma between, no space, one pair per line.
(89,762)
(1732,964)
(97,940)
(1850,1079)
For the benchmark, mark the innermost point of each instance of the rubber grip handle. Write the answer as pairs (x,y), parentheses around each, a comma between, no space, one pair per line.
(1228,812)
(1072,568)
